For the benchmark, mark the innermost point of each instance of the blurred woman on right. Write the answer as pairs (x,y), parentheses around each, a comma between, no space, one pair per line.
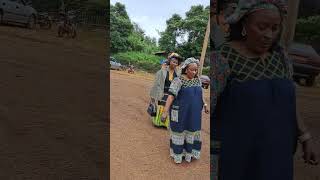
(254,121)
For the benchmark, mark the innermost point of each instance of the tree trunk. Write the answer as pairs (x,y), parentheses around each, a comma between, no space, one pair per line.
(290,22)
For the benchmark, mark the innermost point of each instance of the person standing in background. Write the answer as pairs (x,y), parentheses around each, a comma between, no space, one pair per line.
(160,89)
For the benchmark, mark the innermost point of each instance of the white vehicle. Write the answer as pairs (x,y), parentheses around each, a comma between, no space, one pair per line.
(114,64)
(18,12)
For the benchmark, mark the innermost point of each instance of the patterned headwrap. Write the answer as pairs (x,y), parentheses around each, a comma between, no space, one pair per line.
(175,56)
(246,7)
(190,61)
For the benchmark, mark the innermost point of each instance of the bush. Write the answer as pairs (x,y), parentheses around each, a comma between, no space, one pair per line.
(307,29)
(143,61)
(206,70)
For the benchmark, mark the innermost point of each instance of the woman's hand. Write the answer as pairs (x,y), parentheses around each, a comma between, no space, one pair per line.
(164,116)
(309,155)
(152,100)
(206,110)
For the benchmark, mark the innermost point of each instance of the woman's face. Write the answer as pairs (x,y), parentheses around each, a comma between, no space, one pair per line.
(174,63)
(192,70)
(262,28)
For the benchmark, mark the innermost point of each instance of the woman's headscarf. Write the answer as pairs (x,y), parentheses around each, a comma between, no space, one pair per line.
(246,7)
(190,61)
(175,56)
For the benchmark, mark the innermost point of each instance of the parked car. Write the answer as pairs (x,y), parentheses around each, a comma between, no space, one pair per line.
(306,63)
(114,64)
(18,11)
(205,80)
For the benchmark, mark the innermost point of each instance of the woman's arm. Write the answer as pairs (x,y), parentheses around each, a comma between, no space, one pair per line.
(301,125)
(302,129)
(304,137)
(218,80)
(218,77)
(173,92)
(168,103)
(205,105)
(167,107)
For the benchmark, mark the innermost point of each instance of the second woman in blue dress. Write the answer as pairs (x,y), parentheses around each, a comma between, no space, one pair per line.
(184,106)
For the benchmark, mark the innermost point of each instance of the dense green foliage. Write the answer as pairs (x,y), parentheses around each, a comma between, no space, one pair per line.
(127,35)
(206,70)
(140,60)
(186,36)
(120,28)
(307,29)
(129,44)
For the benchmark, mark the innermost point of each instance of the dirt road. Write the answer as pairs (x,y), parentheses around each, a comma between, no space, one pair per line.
(53,115)
(138,150)
(53,107)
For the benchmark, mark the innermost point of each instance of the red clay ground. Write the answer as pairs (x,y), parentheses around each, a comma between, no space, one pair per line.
(53,106)
(53,111)
(140,151)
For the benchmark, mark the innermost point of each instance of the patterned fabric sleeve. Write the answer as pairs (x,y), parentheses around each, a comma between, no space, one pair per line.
(175,86)
(219,76)
(300,121)
(218,80)
(290,64)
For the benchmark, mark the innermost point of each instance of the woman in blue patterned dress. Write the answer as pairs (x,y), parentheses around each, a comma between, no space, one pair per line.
(254,123)
(185,104)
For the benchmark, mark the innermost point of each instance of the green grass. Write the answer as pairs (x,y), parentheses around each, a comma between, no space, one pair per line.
(143,61)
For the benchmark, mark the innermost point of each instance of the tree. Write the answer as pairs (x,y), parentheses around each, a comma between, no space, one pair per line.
(309,8)
(307,29)
(138,29)
(120,28)
(194,27)
(186,36)
(168,39)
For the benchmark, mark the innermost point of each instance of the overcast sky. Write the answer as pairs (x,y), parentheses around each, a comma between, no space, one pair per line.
(151,15)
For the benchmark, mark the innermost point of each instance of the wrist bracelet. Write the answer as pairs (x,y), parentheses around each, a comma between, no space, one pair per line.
(304,137)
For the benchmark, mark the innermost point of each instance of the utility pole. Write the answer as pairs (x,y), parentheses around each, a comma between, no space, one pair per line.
(62,7)
(204,47)
(290,22)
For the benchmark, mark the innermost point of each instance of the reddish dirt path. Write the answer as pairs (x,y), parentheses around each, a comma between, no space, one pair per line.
(138,150)
(52,112)
(52,108)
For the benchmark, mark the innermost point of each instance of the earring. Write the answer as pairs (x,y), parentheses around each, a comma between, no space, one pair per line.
(244,32)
